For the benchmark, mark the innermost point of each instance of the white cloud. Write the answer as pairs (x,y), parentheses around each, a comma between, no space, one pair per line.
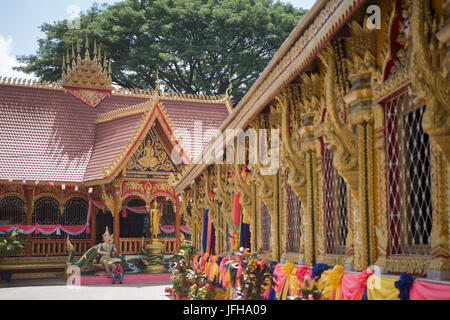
(8,61)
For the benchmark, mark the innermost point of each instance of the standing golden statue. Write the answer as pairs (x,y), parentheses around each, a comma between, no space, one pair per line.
(154,252)
(155,217)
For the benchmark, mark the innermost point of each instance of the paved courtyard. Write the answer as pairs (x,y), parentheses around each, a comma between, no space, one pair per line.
(55,289)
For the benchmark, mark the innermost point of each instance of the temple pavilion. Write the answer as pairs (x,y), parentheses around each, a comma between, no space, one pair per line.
(80,155)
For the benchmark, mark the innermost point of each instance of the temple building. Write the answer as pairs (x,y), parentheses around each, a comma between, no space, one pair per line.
(80,155)
(356,106)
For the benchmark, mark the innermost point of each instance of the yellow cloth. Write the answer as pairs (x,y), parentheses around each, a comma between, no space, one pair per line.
(290,283)
(245,217)
(330,281)
(214,269)
(382,288)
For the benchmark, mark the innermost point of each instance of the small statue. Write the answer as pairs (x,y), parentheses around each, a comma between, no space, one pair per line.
(155,216)
(107,249)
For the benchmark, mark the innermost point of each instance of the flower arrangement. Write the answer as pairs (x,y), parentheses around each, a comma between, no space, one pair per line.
(309,291)
(180,270)
(255,277)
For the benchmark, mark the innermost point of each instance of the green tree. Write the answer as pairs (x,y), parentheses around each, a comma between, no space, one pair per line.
(195,44)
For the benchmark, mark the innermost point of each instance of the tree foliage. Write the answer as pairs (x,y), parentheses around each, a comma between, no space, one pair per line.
(195,44)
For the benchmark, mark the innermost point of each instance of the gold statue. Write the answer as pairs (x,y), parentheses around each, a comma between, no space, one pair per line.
(107,249)
(155,217)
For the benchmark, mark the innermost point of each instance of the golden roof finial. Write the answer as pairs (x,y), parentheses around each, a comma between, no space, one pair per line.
(67,55)
(64,63)
(86,55)
(157,81)
(95,50)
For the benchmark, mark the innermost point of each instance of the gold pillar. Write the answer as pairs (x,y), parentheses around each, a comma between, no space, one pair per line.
(362,121)
(93,225)
(116,214)
(177,226)
(29,193)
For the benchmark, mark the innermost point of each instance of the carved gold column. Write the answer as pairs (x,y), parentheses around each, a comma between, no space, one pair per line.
(177,225)
(361,119)
(430,79)
(310,217)
(93,224)
(116,215)
(29,194)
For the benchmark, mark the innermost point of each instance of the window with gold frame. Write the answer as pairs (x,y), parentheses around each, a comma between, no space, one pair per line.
(408,177)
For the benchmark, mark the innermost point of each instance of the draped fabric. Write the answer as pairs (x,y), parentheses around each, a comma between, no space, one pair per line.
(212,239)
(353,285)
(236,215)
(208,236)
(330,282)
(205,230)
(335,284)
(404,285)
(382,288)
(422,290)
(317,270)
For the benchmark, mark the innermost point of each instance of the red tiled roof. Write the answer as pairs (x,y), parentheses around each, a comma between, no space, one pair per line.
(49,135)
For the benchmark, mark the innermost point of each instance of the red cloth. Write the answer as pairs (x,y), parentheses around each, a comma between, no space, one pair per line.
(117,270)
(72,228)
(422,290)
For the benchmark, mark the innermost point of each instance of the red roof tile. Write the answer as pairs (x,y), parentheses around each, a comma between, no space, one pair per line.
(49,135)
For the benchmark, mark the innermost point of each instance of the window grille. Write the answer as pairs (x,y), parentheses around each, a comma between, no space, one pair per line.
(12,211)
(265,227)
(46,212)
(75,213)
(408,177)
(293,220)
(335,206)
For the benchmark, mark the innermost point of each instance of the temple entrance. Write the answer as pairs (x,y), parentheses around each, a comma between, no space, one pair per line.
(134,220)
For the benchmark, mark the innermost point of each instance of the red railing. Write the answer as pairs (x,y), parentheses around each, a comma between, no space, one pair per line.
(57,247)
(134,245)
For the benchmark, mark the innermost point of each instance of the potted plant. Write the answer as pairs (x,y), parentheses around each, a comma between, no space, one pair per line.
(255,276)
(180,269)
(10,245)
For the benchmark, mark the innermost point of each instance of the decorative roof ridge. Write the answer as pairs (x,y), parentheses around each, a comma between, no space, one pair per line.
(121,113)
(151,113)
(30,83)
(140,93)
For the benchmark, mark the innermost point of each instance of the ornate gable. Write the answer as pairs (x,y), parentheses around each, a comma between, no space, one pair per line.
(150,160)
(86,79)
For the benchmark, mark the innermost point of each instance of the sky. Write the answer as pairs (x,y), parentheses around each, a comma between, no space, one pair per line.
(20,21)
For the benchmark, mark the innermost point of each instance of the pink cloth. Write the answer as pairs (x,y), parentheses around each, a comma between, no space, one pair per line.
(302,272)
(422,290)
(353,285)
(280,277)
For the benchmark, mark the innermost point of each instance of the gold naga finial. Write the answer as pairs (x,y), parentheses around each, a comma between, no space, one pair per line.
(227,96)
(230,87)
(156,92)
